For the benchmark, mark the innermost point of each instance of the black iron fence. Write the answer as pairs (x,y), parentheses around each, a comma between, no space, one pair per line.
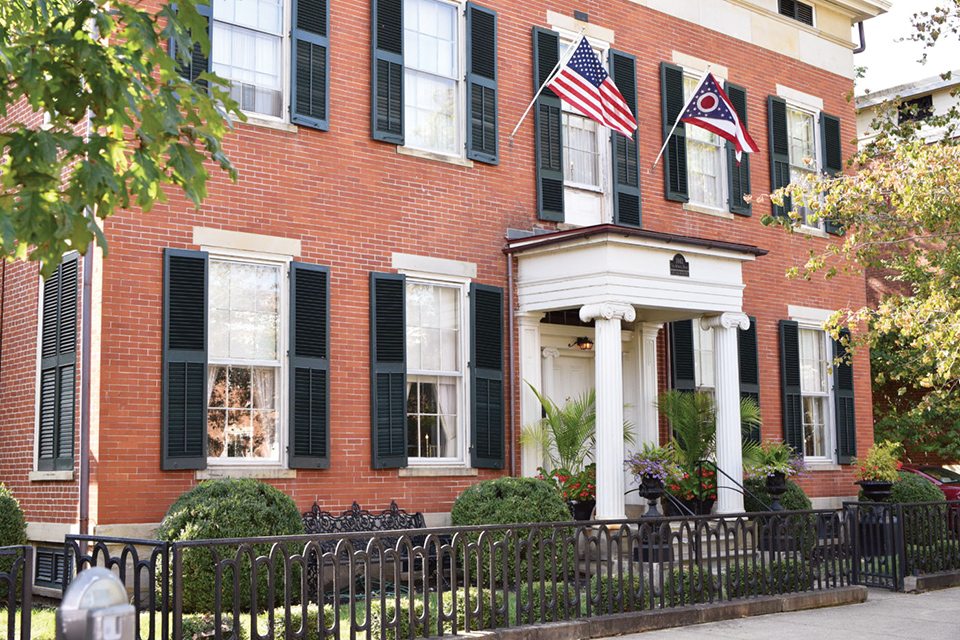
(16,584)
(436,582)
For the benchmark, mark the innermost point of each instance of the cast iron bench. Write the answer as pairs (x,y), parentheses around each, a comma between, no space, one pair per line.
(356,520)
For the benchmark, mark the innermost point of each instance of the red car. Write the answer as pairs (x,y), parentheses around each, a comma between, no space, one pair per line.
(946,480)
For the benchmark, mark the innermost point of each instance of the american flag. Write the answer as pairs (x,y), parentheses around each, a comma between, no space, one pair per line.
(586,85)
(710,108)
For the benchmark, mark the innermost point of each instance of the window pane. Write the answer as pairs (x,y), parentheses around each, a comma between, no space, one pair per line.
(246,428)
(431,73)
(814,427)
(582,166)
(813,365)
(432,417)
(705,157)
(252,61)
(244,311)
(802,140)
(430,112)
(263,15)
(433,328)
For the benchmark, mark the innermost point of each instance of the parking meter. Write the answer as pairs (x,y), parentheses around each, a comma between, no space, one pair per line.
(95,607)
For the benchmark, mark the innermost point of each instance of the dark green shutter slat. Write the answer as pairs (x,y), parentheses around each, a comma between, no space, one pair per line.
(184,420)
(486,377)
(843,395)
(790,384)
(832,157)
(739,175)
(196,63)
(482,84)
(388,370)
(311,62)
(779,150)
(749,370)
(682,368)
(675,156)
(626,155)
(309,366)
(58,358)
(387,90)
(548,128)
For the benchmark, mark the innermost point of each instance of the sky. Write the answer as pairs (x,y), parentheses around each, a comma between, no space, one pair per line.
(890,63)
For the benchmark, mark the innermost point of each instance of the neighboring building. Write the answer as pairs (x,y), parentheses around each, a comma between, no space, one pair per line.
(356,317)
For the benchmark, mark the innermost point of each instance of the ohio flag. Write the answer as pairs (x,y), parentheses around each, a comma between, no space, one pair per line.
(710,108)
(585,84)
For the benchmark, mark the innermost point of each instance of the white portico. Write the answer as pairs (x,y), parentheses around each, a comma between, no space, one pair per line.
(628,282)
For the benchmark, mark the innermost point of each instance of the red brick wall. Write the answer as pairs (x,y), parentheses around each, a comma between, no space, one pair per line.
(353,202)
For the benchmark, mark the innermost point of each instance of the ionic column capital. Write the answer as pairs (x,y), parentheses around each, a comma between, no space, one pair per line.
(732,320)
(549,352)
(608,311)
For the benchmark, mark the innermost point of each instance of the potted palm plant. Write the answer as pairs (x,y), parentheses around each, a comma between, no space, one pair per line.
(565,438)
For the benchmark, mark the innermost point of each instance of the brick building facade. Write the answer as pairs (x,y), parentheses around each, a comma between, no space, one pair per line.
(353,319)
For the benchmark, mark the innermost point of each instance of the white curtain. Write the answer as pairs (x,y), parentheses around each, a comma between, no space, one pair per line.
(447,401)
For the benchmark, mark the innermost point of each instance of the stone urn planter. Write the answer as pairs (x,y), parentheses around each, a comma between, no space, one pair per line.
(876,490)
(651,488)
(776,485)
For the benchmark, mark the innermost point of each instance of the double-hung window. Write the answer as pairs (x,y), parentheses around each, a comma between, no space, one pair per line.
(275,55)
(245,361)
(437,372)
(586,174)
(435,78)
(817,392)
(804,141)
(700,168)
(435,376)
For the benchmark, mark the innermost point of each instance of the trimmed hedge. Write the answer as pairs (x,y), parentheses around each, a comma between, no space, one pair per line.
(772,578)
(510,501)
(203,625)
(793,499)
(612,593)
(228,508)
(13,531)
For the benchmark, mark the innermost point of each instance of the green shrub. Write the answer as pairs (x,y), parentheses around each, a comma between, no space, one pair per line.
(774,577)
(13,531)
(228,508)
(933,558)
(690,585)
(914,488)
(202,625)
(601,586)
(511,501)
(312,631)
(793,499)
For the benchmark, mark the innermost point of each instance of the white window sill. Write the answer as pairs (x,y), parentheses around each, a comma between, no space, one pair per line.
(437,157)
(822,466)
(435,472)
(50,476)
(812,232)
(710,211)
(260,473)
(268,123)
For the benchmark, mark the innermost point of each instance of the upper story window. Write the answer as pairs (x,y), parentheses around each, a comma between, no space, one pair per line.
(584,143)
(245,369)
(801,131)
(797,10)
(432,92)
(915,110)
(705,159)
(247,38)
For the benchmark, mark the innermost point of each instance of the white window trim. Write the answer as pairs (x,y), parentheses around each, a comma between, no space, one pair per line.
(812,105)
(283,392)
(463,413)
(460,117)
(829,419)
(286,44)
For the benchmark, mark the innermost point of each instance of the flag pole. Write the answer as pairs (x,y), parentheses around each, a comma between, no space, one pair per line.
(560,62)
(680,115)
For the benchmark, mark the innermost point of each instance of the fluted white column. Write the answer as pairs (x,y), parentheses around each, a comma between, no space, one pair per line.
(530,371)
(608,376)
(727,390)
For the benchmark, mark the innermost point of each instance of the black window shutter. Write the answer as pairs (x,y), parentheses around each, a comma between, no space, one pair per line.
(311,61)
(309,366)
(790,384)
(184,420)
(683,376)
(738,174)
(675,156)
(486,376)
(779,151)
(749,371)
(482,84)
(626,155)
(843,395)
(832,150)
(58,366)
(388,370)
(196,63)
(387,90)
(548,125)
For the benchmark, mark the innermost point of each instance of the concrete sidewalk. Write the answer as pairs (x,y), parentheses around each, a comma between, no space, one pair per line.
(934,615)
